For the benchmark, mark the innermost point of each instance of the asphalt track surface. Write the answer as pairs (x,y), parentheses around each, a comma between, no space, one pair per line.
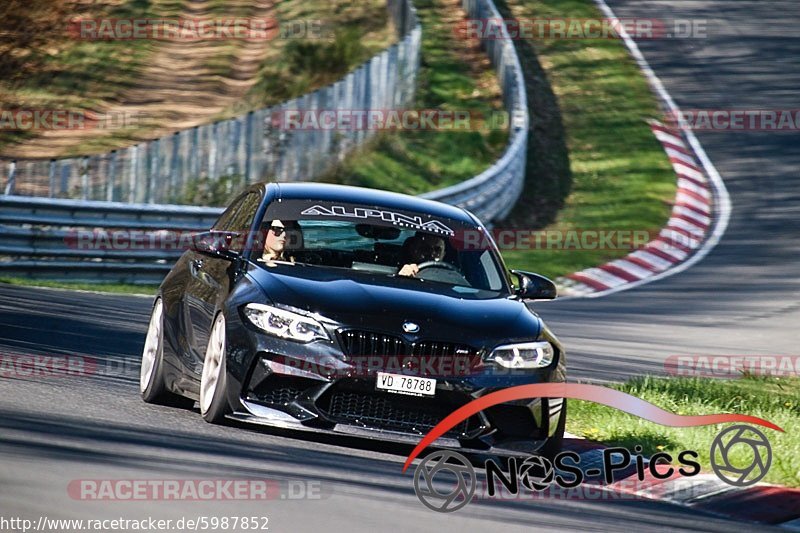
(741,299)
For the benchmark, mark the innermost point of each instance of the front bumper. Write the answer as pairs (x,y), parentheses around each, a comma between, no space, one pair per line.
(317,387)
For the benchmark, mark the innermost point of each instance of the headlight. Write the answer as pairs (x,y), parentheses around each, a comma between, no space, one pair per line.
(524,355)
(285,324)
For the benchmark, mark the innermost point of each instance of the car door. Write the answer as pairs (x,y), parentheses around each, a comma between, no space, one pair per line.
(210,281)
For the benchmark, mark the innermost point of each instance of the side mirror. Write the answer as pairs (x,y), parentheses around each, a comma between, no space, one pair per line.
(534,286)
(216,244)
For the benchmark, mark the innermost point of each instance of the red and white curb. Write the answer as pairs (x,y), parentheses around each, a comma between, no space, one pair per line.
(760,503)
(685,232)
(668,254)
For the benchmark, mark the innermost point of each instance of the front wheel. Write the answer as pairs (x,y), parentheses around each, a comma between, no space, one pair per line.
(213,383)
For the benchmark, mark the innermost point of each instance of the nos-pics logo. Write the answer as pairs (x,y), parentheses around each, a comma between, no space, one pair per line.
(445,481)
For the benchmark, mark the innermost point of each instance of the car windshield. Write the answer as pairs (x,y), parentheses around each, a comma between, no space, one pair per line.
(369,240)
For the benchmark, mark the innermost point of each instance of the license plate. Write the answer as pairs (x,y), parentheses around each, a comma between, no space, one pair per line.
(400,384)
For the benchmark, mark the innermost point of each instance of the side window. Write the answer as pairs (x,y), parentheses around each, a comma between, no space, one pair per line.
(489,267)
(223,223)
(243,219)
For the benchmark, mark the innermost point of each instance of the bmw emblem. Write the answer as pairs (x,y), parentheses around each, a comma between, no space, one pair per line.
(410,327)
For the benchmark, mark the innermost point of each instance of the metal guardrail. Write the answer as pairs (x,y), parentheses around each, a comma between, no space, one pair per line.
(76,213)
(35,228)
(64,239)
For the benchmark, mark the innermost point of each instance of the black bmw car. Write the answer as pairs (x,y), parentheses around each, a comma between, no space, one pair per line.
(354,311)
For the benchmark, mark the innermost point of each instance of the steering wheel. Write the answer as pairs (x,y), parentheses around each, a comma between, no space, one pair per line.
(312,258)
(437,264)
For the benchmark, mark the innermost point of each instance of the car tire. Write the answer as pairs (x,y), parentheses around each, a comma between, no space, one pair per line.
(214,380)
(555,443)
(151,374)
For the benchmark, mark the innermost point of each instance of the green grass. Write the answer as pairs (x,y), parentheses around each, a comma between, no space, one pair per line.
(454,76)
(65,73)
(115,288)
(620,176)
(59,72)
(351,33)
(774,399)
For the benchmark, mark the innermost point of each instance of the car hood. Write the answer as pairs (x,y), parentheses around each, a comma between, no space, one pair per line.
(381,302)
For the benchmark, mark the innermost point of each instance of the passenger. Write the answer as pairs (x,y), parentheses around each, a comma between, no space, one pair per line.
(275,241)
(421,248)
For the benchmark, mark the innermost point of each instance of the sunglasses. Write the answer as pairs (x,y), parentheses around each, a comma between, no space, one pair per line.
(277,230)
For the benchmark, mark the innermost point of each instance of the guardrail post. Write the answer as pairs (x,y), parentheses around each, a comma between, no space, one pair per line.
(235,154)
(66,171)
(51,190)
(85,178)
(221,149)
(194,158)
(173,166)
(112,176)
(248,147)
(12,178)
(134,168)
(212,153)
(258,143)
(152,170)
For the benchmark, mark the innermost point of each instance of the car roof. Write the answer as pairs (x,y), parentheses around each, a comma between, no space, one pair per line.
(364,196)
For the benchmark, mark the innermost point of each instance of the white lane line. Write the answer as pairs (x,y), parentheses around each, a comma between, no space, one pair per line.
(723,200)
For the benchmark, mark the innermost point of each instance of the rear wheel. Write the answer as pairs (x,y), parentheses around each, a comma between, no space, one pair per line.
(213,382)
(151,375)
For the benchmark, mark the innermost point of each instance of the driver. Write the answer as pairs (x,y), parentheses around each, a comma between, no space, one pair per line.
(421,248)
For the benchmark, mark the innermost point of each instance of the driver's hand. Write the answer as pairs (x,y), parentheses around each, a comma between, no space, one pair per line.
(409,270)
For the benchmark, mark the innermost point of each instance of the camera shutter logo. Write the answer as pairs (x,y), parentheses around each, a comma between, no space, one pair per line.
(738,437)
(536,473)
(450,464)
